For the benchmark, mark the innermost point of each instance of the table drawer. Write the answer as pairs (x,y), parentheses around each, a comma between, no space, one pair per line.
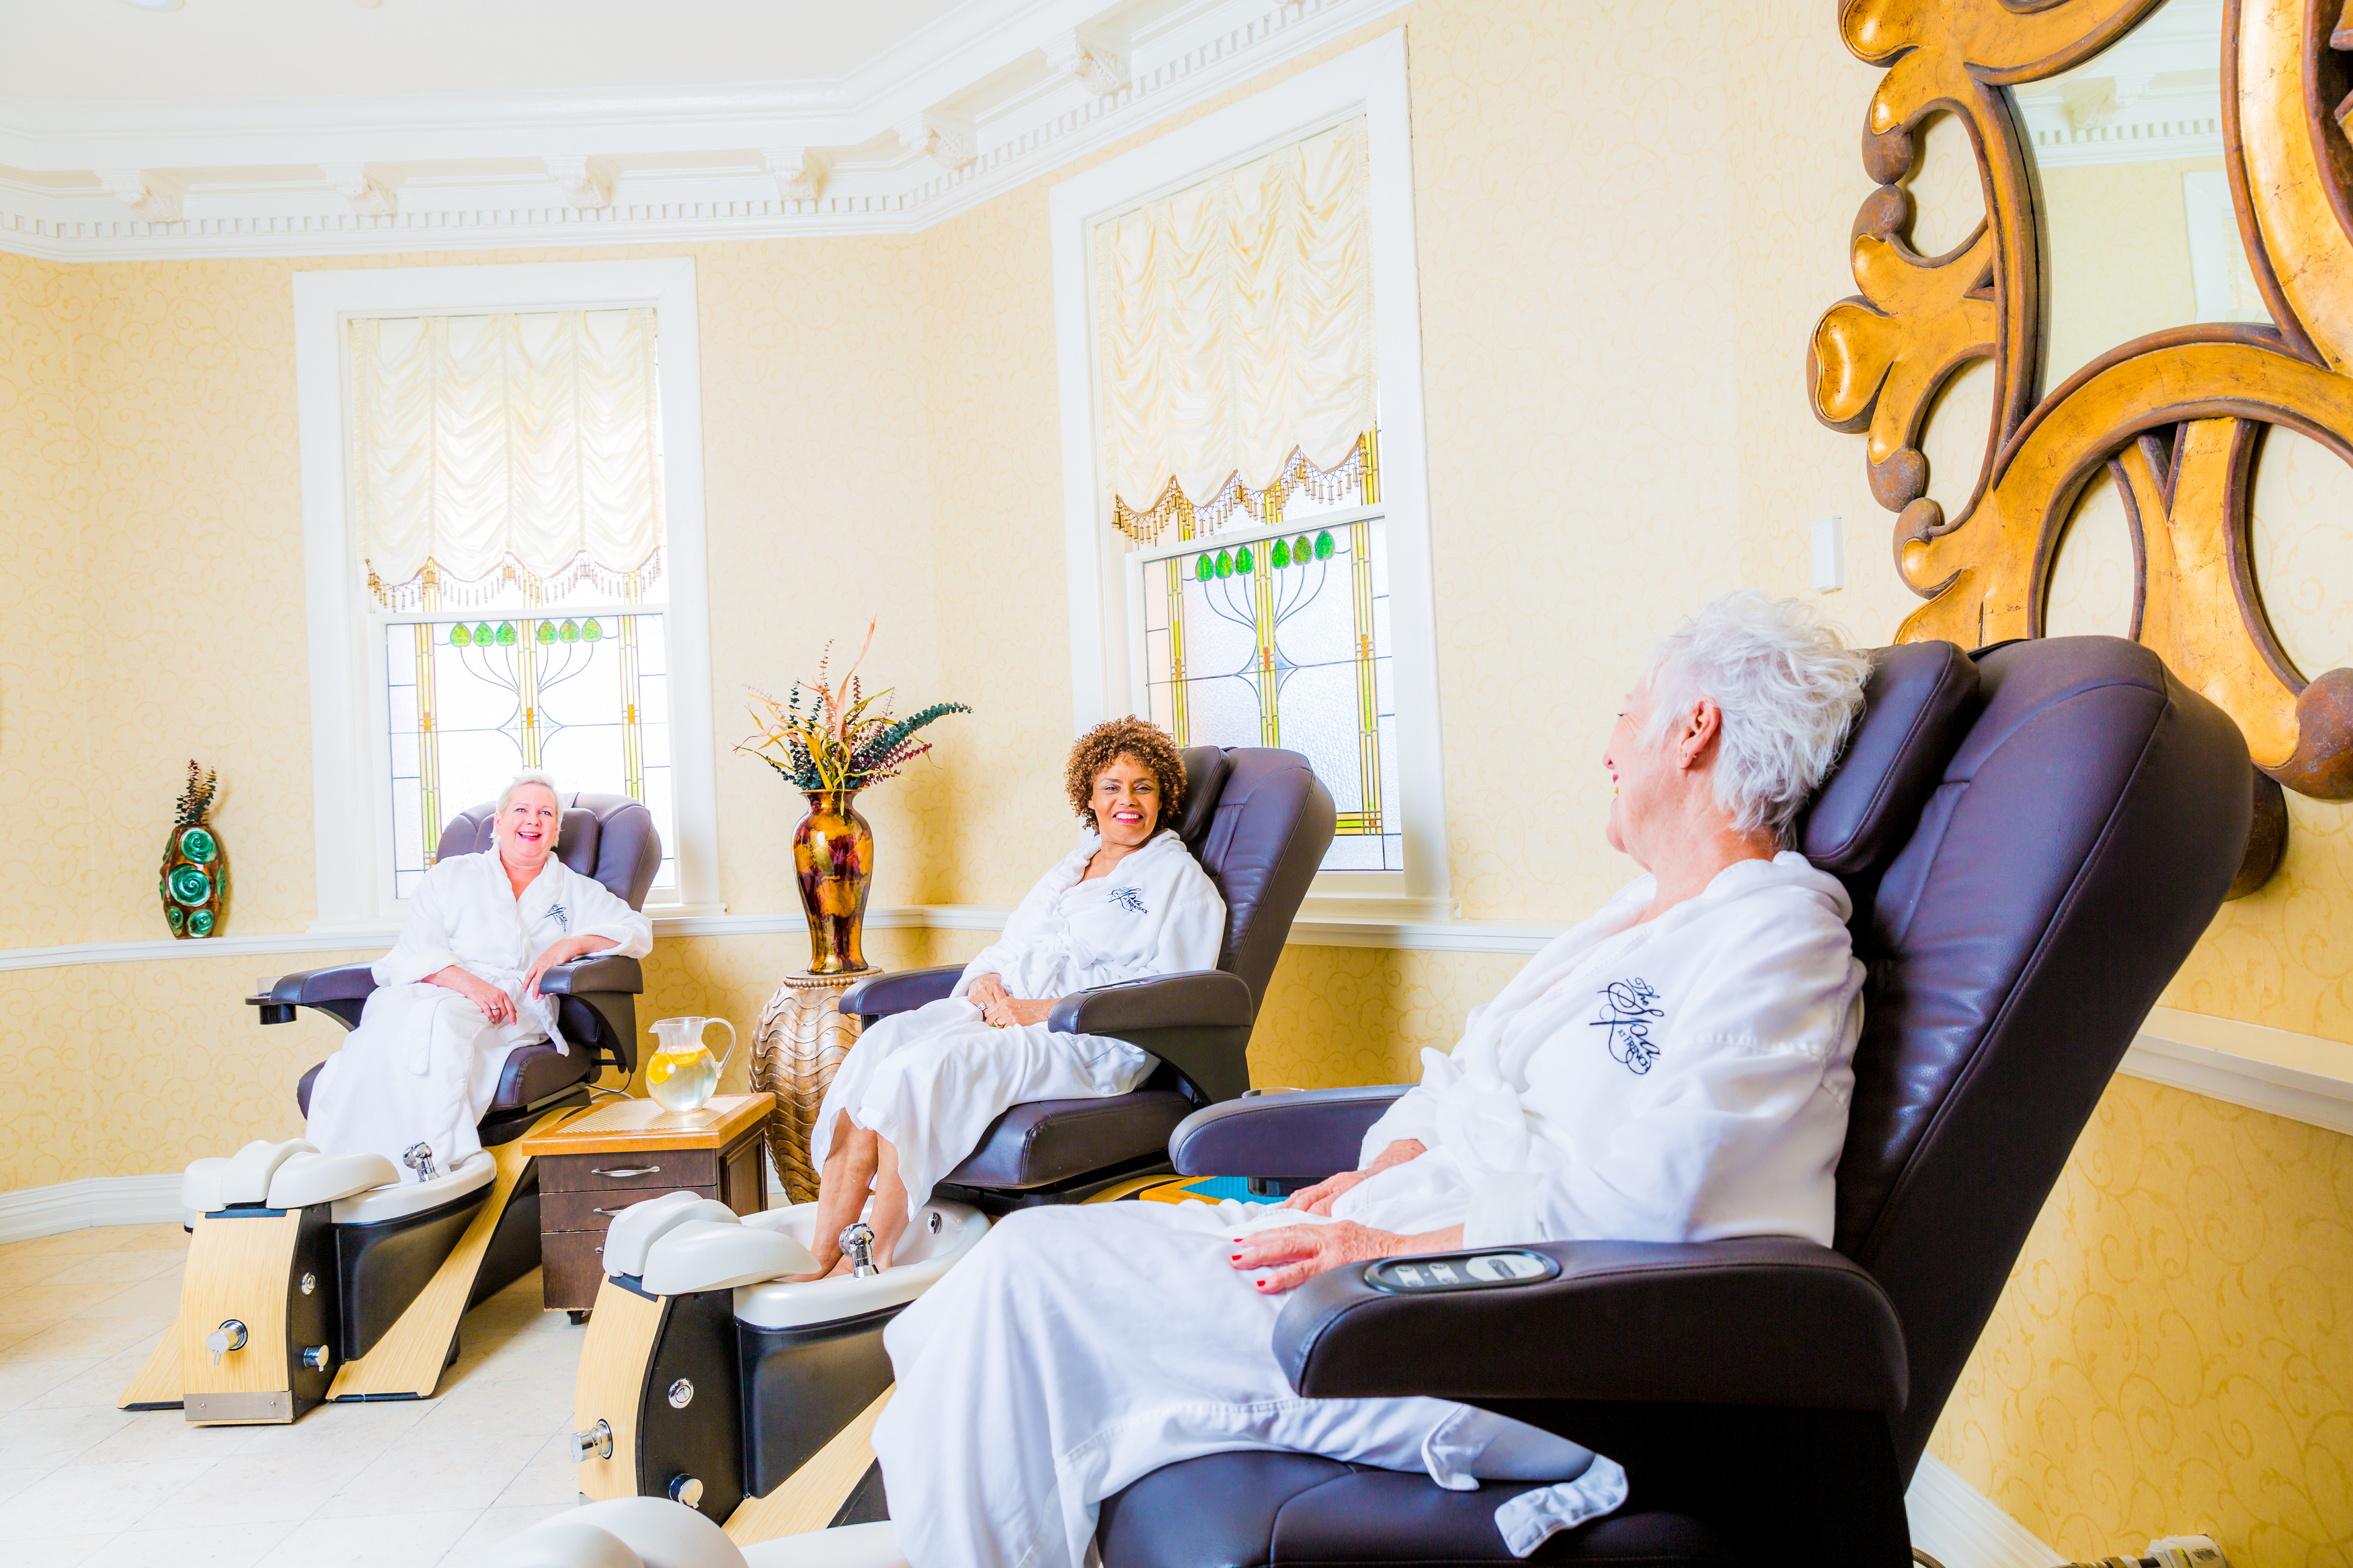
(572,1266)
(664,1170)
(595,1211)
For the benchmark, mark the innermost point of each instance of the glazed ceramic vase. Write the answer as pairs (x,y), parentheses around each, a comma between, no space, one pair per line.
(833,852)
(194,881)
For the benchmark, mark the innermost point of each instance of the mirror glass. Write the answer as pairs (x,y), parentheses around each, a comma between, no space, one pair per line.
(2300,542)
(2128,150)
(2093,577)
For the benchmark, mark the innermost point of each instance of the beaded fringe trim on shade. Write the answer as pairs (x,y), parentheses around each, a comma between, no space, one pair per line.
(434,589)
(1360,469)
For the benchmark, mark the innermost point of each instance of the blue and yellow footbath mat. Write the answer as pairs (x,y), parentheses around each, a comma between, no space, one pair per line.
(1184,1189)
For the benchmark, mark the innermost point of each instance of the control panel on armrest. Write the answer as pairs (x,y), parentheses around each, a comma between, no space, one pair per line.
(1479,1271)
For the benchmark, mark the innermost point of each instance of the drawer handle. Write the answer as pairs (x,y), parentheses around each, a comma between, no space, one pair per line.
(607,1214)
(626,1170)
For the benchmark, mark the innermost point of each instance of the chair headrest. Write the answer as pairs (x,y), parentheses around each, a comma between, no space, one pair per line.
(1205,768)
(1921,700)
(1271,821)
(610,838)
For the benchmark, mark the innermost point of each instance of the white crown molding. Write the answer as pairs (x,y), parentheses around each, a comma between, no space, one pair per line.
(799,172)
(945,139)
(155,197)
(369,197)
(585,183)
(2064,130)
(1094,58)
(733,191)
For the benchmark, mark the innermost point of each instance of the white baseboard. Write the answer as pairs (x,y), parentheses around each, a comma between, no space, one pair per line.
(94,1200)
(1960,1527)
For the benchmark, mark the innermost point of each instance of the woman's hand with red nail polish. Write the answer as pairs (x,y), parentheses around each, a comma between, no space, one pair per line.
(1298,1253)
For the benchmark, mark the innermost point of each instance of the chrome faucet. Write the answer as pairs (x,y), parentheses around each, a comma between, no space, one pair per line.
(857,1241)
(419,1157)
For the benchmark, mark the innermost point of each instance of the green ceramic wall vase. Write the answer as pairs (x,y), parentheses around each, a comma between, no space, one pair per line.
(194,881)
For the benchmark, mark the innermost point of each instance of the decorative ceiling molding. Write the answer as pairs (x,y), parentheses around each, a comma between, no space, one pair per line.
(800,173)
(152,196)
(584,183)
(707,165)
(1090,57)
(945,139)
(369,197)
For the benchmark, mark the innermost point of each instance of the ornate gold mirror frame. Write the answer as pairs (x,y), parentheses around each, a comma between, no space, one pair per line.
(2176,417)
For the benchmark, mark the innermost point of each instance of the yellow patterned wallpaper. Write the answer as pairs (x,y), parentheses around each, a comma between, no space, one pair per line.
(44,485)
(1626,230)
(2173,1352)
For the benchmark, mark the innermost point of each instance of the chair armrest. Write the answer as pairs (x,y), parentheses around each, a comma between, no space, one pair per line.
(309,987)
(901,993)
(1306,1134)
(1762,1322)
(595,973)
(1201,998)
(341,991)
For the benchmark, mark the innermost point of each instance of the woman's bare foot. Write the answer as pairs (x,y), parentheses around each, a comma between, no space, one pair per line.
(889,1219)
(849,1164)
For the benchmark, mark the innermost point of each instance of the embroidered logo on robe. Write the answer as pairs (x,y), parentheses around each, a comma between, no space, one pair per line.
(1627,1008)
(1129,899)
(560,915)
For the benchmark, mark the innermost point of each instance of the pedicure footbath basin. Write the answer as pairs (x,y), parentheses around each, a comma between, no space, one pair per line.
(727,1377)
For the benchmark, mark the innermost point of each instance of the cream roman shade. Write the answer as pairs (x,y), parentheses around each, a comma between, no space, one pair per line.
(488,446)
(1236,335)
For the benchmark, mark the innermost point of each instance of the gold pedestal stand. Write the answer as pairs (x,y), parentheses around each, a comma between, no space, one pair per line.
(795,1049)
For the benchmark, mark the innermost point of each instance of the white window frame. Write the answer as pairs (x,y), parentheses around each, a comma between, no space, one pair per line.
(1369,80)
(350,752)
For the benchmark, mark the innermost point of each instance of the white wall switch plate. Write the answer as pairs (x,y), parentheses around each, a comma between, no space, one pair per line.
(1829,554)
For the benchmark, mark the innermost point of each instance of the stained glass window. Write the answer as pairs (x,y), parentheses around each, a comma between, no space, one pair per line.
(581,692)
(1279,636)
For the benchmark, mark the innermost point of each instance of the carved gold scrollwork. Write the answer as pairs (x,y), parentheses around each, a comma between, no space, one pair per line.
(2176,418)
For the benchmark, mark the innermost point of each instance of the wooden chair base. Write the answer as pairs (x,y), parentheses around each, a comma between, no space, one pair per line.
(812,1496)
(409,1361)
(258,1286)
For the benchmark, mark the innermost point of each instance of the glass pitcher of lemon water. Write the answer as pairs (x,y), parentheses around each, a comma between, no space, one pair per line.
(682,1077)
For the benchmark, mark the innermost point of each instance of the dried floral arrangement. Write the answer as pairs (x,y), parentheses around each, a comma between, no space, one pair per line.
(197,798)
(832,736)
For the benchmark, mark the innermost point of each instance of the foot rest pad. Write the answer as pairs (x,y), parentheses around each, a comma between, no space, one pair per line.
(716,1255)
(322,1178)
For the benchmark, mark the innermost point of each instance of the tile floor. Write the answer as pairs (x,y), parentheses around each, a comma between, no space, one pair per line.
(413,1483)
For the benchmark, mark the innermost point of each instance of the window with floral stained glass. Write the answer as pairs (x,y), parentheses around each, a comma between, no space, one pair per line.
(1278,634)
(508,477)
(1246,502)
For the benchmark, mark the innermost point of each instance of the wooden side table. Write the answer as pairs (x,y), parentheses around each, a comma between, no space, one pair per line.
(796,1046)
(625,1151)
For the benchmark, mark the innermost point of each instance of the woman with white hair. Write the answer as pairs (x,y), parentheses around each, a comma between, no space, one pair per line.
(1676,1068)
(461,990)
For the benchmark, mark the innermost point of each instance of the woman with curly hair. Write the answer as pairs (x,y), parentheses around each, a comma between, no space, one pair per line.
(916,1092)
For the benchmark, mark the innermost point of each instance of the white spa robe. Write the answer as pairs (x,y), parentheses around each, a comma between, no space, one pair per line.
(931,1079)
(1685,1078)
(424,1064)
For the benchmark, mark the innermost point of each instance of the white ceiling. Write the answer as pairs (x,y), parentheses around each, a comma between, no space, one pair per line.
(298,127)
(59,51)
